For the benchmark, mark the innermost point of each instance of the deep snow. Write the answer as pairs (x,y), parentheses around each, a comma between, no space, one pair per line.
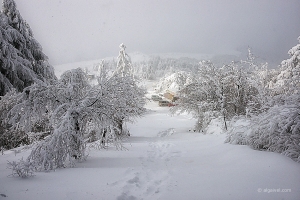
(164,161)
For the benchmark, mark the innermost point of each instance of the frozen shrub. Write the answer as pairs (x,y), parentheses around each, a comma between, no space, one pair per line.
(21,168)
(239,131)
(277,130)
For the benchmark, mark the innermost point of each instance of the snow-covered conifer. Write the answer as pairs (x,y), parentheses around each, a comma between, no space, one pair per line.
(124,66)
(130,96)
(22,60)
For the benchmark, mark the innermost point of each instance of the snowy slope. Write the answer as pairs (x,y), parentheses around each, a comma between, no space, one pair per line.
(136,57)
(163,161)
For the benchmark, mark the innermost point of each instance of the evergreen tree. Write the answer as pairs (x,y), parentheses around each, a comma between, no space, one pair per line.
(22,60)
(131,96)
(124,66)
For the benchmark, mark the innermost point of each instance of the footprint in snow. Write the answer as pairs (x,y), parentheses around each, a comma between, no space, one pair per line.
(144,184)
(166,133)
(162,151)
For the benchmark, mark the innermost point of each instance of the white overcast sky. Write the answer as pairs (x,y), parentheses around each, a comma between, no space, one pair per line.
(77,30)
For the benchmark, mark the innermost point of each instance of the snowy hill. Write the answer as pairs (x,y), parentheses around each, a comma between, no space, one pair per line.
(136,57)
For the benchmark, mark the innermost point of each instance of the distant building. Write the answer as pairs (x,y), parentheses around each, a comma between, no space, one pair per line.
(170,95)
(90,76)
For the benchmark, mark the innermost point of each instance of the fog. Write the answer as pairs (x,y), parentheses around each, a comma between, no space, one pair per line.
(77,30)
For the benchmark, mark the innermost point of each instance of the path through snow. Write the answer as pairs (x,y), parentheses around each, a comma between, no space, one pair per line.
(163,161)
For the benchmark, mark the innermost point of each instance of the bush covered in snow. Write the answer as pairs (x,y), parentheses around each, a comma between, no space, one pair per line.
(22,168)
(277,130)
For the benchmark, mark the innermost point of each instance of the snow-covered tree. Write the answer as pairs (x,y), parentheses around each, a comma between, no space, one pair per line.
(69,111)
(175,81)
(201,98)
(124,66)
(128,91)
(22,60)
(277,127)
(10,138)
(219,92)
(239,88)
(258,77)
(288,81)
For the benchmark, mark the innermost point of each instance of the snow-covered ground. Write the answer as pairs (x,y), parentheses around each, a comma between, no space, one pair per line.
(163,160)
